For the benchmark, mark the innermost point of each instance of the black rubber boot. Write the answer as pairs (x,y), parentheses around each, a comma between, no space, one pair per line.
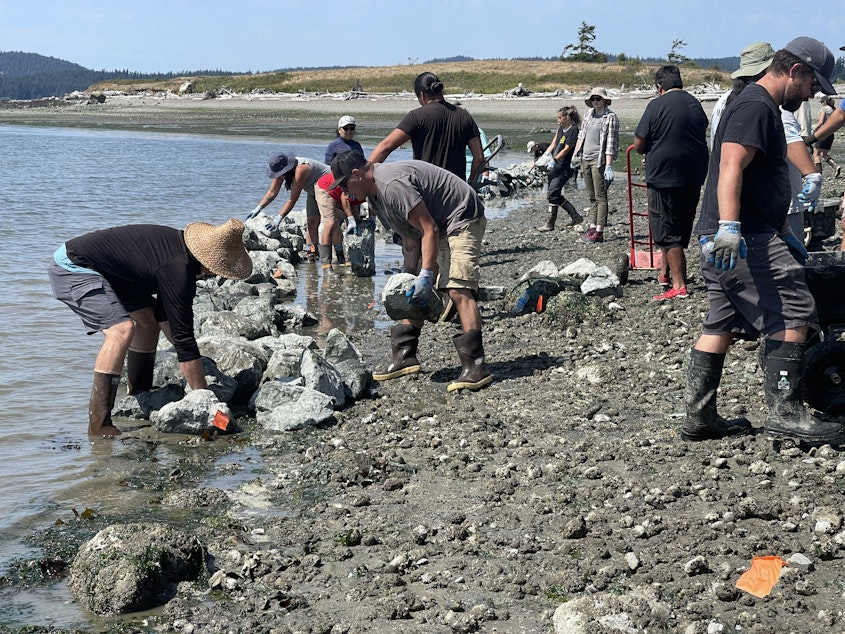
(103,393)
(338,253)
(139,371)
(783,369)
(703,422)
(474,373)
(325,251)
(403,342)
(550,223)
(574,216)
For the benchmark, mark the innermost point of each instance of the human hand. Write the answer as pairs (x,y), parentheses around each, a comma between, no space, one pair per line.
(728,245)
(254,212)
(608,175)
(421,291)
(812,188)
(810,139)
(273,224)
(795,246)
(351,226)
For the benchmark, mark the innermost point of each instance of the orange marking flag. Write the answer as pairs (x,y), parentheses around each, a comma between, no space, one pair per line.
(221,421)
(762,576)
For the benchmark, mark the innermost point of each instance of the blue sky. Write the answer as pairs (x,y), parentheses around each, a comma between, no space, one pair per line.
(260,35)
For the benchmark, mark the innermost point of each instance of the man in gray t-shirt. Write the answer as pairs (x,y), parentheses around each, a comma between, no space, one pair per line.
(441,221)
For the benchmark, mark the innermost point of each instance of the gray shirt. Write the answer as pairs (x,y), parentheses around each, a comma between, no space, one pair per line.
(402,185)
(592,139)
(318,170)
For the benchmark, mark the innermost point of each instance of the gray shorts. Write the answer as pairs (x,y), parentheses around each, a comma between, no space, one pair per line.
(89,296)
(766,292)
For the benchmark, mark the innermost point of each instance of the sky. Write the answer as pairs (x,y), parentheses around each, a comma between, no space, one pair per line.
(150,36)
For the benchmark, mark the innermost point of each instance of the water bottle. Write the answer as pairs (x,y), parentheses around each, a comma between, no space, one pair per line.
(706,245)
(521,302)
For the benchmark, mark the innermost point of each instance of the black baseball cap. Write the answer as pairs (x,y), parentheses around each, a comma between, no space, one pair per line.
(818,57)
(343,164)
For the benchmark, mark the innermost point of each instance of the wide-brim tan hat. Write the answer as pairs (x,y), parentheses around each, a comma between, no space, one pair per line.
(754,59)
(220,249)
(597,92)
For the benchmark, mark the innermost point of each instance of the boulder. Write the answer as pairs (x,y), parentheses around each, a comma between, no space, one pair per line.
(602,282)
(361,250)
(398,306)
(322,376)
(242,360)
(341,354)
(133,567)
(141,406)
(191,415)
(283,406)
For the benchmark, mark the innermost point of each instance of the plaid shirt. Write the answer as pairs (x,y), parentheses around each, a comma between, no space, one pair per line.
(608,136)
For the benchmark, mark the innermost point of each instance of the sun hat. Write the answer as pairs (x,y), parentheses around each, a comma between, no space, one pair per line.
(818,57)
(343,164)
(221,248)
(345,120)
(597,92)
(754,59)
(280,164)
(531,145)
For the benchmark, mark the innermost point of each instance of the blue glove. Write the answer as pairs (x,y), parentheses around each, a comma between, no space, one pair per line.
(728,245)
(351,226)
(795,246)
(421,291)
(608,175)
(254,212)
(273,224)
(812,188)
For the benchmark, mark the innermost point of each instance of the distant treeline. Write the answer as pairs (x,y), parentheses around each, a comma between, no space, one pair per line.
(33,76)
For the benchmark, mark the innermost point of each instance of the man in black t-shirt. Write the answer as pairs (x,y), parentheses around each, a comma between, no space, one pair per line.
(133,282)
(673,132)
(754,282)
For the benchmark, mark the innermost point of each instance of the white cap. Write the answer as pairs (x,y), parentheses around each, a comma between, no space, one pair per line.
(531,145)
(346,120)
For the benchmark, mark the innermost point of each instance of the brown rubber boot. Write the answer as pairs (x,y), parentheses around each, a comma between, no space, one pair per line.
(103,393)
(783,370)
(474,373)
(139,371)
(403,341)
(325,251)
(574,217)
(550,223)
(704,374)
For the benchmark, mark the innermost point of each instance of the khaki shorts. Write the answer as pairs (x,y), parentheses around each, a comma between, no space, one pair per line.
(459,257)
(312,210)
(330,209)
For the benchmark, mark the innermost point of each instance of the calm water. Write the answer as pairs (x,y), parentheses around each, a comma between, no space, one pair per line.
(58,183)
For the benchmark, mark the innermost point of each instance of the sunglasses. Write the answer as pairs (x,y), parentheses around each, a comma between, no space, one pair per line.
(595,98)
(348,127)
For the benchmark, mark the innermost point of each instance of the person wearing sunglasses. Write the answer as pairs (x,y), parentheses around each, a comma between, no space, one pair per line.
(750,258)
(597,145)
(344,141)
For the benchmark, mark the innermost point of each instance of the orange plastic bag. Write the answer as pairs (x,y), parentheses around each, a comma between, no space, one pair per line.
(762,576)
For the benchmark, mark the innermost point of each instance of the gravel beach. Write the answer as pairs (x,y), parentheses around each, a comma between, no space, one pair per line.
(559,499)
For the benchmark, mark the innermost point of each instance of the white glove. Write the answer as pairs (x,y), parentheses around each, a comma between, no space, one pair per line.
(608,175)
(274,223)
(812,188)
(254,212)
(351,226)
(421,291)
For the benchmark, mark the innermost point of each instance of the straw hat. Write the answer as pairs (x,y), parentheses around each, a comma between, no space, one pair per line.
(597,92)
(220,249)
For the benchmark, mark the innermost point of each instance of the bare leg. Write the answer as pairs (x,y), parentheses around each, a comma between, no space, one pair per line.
(677,263)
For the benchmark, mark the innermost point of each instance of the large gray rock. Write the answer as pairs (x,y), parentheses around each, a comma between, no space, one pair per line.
(543,268)
(132,567)
(264,266)
(345,357)
(361,250)
(322,376)
(228,323)
(141,406)
(191,415)
(242,360)
(602,282)
(398,306)
(283,364)
(167,372)
(284,407)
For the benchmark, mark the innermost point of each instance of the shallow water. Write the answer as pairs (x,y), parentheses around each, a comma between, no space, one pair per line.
(59,183)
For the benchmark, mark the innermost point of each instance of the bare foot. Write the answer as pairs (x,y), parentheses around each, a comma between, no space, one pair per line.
(106,431)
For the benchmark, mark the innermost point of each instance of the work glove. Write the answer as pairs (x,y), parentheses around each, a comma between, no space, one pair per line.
(254,212)
(810,139)
(351,226)
(728,245)
(795,246)
(608,175)
(273,224)
(421,291)
(812,188)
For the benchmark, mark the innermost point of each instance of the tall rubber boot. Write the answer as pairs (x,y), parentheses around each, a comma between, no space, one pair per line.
(403,342)
(139,371)
(474,373)
(574,217)
(325,251)
(550,223)
(338,252)
(783,370)
(103,393)
(704,374)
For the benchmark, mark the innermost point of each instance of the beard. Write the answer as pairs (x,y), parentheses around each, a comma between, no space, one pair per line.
(793,98)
